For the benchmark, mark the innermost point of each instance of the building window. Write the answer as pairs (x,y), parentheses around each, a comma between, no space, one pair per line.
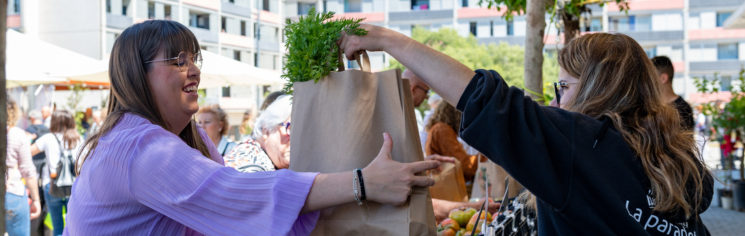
(199,20)
(726,83)
(237,55)
(125,4)
(352,5)
(643,23)
(464,3)
(167,11)
(417,5)
(108,6)
(223,23)
(151,10)
(491,28)
(622,24)
(651,52)
(256,59)
(472,28)
(255,31)
(722,17)
(17,6)
(231,1)
(510,27)
(727,51)
(226,92)
(596,25)
(243,28)
(324,6)
(265,4)
(303,8)
(274,62)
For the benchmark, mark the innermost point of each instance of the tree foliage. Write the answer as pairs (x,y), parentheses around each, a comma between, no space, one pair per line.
(503,58)
(570,7)
(311,45)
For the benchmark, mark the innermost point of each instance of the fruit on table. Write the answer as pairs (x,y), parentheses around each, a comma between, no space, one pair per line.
(472,222)
(462,215)
(462,232)
(450,224)
(447,232)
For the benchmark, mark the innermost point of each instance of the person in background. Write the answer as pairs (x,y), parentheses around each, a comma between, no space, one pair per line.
(247,125)
(34,132)
(665,72)
(419,92)
(268,149)
(96,122)
(62,132)
(443,139)
(214,121)
(270,99)
(18,213)
(432,102)
(46,114)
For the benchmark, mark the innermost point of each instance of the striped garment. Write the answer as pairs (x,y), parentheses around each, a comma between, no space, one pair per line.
(19,162)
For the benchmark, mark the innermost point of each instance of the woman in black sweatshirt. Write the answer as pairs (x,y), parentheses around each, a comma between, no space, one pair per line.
(612,160)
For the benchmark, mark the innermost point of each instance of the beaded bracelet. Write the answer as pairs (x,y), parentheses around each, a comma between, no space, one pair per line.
(354,187)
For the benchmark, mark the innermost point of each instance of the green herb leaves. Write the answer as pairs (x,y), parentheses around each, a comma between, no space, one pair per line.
(311,45)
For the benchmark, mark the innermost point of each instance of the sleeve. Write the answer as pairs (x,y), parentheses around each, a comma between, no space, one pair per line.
(25,162)
(48,144)
(443,140)
(177,181)
(533,143)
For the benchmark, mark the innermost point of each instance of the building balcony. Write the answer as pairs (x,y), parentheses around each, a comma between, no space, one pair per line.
(713,3)
(237,40)
(648,5)
(13,21)
(642,36)
(716,66)
(204,34)
(209,4)
(118,21)
(231,8)
(420,16)
(716,33)
(266,45)
(511,40)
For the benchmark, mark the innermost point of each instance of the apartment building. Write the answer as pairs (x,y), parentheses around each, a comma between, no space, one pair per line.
(225,27)
(690,32)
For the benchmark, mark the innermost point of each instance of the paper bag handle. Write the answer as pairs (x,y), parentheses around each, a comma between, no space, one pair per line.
(364,66)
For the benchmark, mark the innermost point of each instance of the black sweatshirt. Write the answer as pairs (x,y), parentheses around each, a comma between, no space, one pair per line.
(581,190)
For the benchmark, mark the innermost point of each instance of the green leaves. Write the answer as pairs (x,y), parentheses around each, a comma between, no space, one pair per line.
(311,45)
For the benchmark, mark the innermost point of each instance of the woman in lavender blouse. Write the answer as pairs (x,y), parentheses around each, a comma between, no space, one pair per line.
(149,171)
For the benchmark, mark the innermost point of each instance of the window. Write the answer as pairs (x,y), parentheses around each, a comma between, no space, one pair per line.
(108,6)
(472,28)
(651,52)
(622,24)
(151,10)
(722,17)
(464,3)
(199,20)
(510,28)
(643,23)
(226,92)
(17,6)
(274,62)
(303,8)
(491,28)
(256,59)
(167,10)
(596,25)
(324,6)
(265,5)
(727,51)
(231,1)
(726,83)
(417,5)
(243,28)
(237,55)
(223,23)
(256,33)
(352,5)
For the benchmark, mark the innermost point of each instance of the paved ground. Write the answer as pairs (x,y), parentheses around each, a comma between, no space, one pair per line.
(721,222)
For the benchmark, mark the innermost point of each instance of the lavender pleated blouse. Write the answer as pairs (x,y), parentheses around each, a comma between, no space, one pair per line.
(143,180)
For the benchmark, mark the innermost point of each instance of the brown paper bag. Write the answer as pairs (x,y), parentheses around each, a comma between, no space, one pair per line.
(449,183)
(495,176)
(338,125)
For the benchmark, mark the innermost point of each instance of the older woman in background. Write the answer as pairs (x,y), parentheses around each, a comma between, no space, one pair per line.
(443,138)
(268,148)
(214,121)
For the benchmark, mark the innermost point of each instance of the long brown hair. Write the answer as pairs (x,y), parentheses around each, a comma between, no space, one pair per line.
(445,113)
(13,111)
(64,123)
(618,81)
(130,89)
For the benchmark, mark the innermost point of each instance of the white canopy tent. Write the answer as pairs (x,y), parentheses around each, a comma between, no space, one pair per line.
(217,71)
(32,61)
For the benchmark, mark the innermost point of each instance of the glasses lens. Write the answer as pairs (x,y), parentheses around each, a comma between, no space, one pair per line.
(558,94)
(183,61)
(198,60)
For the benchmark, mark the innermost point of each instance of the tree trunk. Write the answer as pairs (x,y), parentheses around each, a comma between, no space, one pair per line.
(3,112)
(571,26)
(536,24)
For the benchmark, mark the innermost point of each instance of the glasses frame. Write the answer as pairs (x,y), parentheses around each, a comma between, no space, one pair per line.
(556,92)
(197,61)
(287,127)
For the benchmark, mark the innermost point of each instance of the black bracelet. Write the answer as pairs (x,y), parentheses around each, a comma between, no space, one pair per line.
(362,185)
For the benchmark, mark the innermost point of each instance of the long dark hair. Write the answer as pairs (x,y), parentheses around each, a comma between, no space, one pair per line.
(130,89)
(618,81)
(64,123)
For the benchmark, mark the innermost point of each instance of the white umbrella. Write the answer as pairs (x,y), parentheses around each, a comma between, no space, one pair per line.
(33,61)
(220,71)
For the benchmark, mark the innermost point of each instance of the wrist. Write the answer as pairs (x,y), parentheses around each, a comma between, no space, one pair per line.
(368,192)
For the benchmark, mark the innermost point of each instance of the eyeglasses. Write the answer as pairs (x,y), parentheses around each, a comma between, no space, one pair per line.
(426,91)
(183,59)
(559,91)
(287,127)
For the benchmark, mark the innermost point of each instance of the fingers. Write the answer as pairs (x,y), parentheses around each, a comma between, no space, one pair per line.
(439,158)
(385,151)
(421,166)
(422,181)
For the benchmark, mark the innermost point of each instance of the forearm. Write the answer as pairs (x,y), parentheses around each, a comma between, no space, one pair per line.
(446,76)
(329,190)
(33,187)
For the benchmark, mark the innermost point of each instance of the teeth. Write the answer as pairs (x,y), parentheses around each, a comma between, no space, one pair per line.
(190,89)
